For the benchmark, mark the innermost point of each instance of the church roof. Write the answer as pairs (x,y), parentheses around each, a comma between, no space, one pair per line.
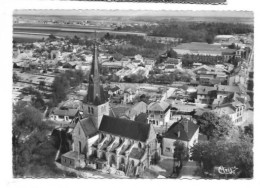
(125,128)
(88,127)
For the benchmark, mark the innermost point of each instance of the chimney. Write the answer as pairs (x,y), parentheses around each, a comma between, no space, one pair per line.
(179,133)
(186,125)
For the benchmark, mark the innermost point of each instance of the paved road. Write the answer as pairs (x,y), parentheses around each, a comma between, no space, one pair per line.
(188,171)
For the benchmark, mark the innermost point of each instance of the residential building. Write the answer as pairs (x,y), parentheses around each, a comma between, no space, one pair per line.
(138,108)
(159,115)
(206,74)
(234,105)
(129,95)
(205,94)
(64,115)
(185,131)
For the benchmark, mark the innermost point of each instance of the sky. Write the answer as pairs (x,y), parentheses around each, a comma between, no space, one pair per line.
(136,13)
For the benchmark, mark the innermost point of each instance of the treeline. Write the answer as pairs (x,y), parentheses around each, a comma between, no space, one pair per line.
(138,45)
(176,76)
(193,32)
(132,51)
(199,32)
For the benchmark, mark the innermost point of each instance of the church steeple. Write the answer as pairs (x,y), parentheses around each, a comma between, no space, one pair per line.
(95,94)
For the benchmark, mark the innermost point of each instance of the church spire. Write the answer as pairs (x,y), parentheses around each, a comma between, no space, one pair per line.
(95,90)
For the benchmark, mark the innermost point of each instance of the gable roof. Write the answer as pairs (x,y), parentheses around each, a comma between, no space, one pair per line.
(119,110)
(170,67)
(225,110)
(205,67)
(113,89)
(136,109)
(204,90)
(69,112)
(228,88)
(185,135)
(125,128)
(172,61)
(158,106)
(88,126)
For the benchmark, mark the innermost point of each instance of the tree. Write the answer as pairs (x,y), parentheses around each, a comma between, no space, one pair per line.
(60,87)
(210,38)
(37,101)
(41,85)
(213,126)
(52,37)
(248,130)
(207,123)
(225,153)
(172,54)
(223,127)
(15,77)
(180,151)
(107,36)
(26,120)
(29,137)
(187,62)
(118,56)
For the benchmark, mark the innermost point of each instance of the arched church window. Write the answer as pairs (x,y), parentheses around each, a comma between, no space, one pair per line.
(92,110)
(89,110)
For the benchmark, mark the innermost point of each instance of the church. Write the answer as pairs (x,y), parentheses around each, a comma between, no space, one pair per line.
(101,141)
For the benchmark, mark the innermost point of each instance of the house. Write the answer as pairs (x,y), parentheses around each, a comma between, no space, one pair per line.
(159,115)
(206,74)
(185,131)
(234,105)
(114,91)
(66,115)
(140,107)
(205,94)
(225,90)
(236,113)
(182,109)
(129,95)
(169,68)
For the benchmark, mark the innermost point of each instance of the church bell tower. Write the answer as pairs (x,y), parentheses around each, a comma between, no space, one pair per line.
(96,101)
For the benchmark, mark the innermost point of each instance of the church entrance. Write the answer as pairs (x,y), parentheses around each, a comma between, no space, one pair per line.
(79,147)
(122,164)
(112,161)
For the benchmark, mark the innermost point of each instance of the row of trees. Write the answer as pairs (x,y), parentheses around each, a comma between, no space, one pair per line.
(193,31)
(138,45)
(176,76)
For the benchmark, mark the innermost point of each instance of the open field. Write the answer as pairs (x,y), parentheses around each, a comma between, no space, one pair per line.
(27,31)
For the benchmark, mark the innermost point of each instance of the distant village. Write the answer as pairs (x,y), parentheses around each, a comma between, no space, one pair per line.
(116,124)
